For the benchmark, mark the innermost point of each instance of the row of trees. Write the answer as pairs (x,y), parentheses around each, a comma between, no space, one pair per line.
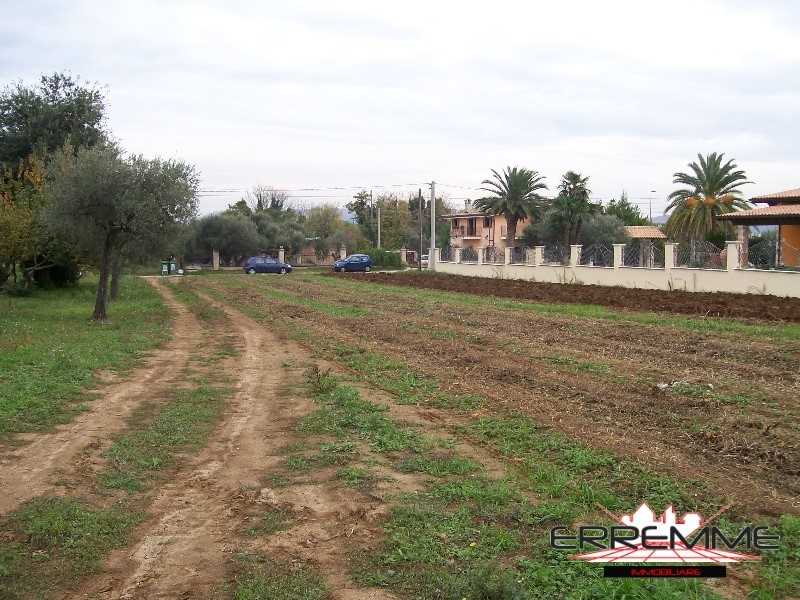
(710,190)
(70,196)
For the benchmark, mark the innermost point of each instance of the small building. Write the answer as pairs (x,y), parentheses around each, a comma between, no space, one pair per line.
(783,210)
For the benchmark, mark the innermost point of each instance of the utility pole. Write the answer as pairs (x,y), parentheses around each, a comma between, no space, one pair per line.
(371,214)
(379,225)
(420,214)
(431,254)
(651,205)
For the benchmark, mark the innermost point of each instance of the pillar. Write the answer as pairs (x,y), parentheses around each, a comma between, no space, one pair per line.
(215,260)
(575,255)
(669,255)
(433,259)
(456,255)
(743,236)
(281,254)
(507,256)
(538,256)
(619,253)
(342,252)
(403,260)
(480,256)
(732,255)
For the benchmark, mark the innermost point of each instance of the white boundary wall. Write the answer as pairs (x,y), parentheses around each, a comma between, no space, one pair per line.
(731,279)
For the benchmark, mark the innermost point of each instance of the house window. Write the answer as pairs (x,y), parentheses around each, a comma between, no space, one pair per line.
(471,227)
(487,221)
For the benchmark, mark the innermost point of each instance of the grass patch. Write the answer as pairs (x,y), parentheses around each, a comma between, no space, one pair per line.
(355,477)
(50,349)
(438,466)
(54,541)
(343,411)
(272,521)
(261,578)
(182,424)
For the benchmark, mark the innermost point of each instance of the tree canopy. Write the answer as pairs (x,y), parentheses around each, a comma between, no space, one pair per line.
(710,189)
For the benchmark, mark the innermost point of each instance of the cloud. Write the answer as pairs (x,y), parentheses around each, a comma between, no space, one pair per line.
(309,94)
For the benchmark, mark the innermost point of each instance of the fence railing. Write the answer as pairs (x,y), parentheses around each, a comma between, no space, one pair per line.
(556,255)
(469,255)
(494,255)
(446,254)
(699,255)
(597,255)
(644,253)
(519,255)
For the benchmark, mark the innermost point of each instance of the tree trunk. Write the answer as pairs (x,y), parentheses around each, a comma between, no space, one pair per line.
(116,275)
(511,232)
(101,299)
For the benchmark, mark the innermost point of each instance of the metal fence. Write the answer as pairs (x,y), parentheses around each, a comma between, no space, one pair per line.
(556,255)
(469,255)
(446,254)
(494,255)
(699,255)
(597,255)
(644,253)
(519,256)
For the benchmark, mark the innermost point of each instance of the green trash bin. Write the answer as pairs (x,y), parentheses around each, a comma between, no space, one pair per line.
(173,267)
(164,267)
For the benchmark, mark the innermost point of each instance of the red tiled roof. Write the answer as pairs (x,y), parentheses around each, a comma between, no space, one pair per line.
(779,212)
(644,232)
(790,196)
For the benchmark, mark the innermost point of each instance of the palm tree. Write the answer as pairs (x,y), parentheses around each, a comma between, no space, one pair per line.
(514,196)
(712,190)
(572,206)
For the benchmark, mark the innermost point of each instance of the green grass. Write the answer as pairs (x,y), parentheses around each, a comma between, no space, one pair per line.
(271,521)
(261,578)
(49,349)
(182,424)
(355,477)
(55,541)
(344,412)
(438,466)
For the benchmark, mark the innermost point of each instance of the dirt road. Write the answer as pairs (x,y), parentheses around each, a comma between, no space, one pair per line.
(35,467)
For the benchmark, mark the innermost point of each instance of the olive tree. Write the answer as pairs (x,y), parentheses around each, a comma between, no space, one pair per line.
(104,201)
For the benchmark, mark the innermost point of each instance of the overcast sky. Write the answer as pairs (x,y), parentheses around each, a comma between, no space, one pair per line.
(346,94)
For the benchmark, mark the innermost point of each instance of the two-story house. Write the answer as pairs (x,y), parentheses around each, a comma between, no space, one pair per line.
(472,229)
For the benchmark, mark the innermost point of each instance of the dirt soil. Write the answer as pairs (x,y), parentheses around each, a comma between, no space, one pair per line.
(739,306)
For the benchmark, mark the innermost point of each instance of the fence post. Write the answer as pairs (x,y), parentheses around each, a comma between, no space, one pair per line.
(480,256)
(403,260)
(342,252)
(215,260)
(619,252)
(669,255)
(281,254)
(732,255)
(574,255)
(457,255)
(433,260)
(507,257)
(538,255)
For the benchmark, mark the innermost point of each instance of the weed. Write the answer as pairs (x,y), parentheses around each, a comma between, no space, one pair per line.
(261,578)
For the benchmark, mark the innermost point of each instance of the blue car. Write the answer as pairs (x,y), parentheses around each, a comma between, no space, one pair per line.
(354,262)
(266,264)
